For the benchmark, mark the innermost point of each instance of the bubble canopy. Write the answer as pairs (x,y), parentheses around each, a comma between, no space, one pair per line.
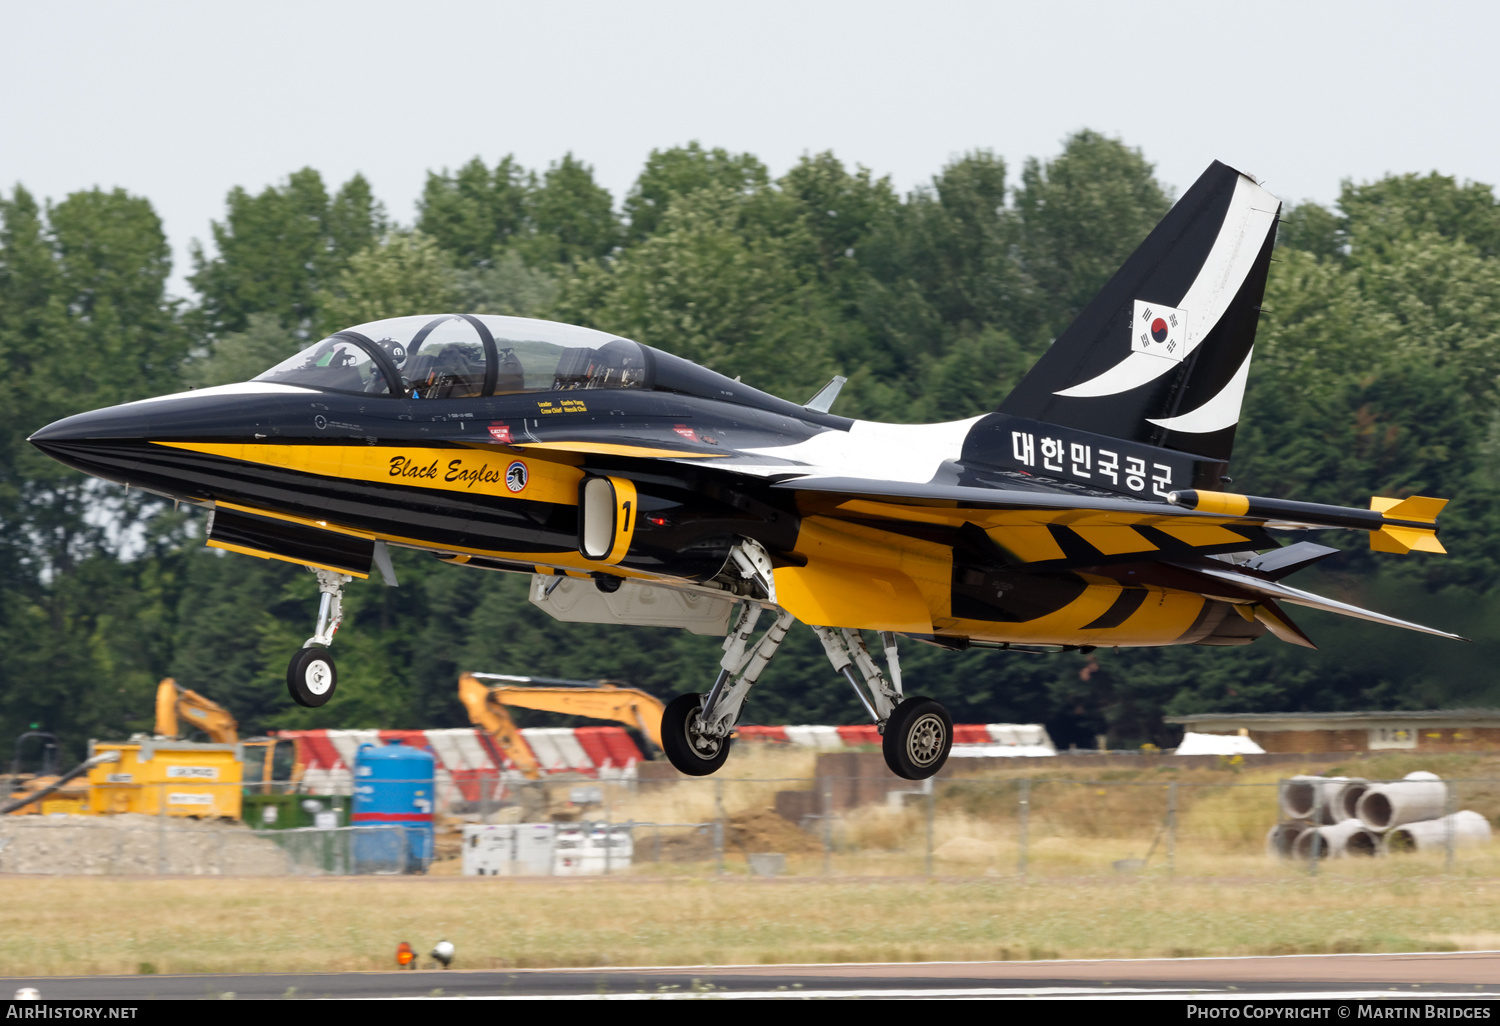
(453,356)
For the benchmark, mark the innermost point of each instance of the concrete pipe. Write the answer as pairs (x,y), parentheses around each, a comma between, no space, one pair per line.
(1302,796)
(1470,829)
(1281,837)
(1346,802)
(1416,797)
(1347,838)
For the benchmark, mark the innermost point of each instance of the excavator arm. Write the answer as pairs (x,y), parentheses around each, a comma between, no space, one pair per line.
(630,706)
(497,722)
(604,700)
(174,704)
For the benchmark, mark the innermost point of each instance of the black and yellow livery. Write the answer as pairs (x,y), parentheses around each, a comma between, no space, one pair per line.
(1088,510)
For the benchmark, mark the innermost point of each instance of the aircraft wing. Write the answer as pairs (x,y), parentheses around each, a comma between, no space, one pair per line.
(1395,525)
(1045,530)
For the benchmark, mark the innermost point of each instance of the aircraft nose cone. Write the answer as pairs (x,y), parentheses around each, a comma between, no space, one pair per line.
(105,443)
(112,422)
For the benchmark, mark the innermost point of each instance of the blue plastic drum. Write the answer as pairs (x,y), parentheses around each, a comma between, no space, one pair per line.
(393,796)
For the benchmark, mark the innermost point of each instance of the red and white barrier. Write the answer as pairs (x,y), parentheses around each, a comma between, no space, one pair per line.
(466,758)
(969,739)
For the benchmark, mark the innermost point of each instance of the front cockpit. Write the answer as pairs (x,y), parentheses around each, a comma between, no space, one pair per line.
(456,356)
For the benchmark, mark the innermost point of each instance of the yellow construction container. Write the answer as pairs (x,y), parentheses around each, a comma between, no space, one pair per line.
(199,780)
(64,807)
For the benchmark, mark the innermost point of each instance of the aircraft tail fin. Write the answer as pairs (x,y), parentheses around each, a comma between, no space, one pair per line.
(1161,355)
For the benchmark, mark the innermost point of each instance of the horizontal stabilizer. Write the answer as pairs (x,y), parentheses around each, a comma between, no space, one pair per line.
(1240,583)
(1286,561)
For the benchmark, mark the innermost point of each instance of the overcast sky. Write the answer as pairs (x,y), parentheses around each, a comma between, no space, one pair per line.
(179,102)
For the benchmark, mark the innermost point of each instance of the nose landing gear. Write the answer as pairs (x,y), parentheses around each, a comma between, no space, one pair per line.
(312,676)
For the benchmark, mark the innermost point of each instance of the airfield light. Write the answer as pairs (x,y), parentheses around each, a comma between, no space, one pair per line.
(442,951)
(405,957)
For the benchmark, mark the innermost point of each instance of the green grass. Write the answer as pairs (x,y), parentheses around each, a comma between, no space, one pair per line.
(57,926)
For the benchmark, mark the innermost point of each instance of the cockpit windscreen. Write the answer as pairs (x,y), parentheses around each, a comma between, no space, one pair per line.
(456,356)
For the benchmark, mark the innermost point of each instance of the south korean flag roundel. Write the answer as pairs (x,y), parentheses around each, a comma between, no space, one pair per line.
(1159,330)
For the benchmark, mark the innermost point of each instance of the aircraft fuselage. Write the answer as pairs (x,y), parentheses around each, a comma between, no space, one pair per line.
(494,482)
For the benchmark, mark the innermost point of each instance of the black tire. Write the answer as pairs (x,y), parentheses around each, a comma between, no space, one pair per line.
(918,738)
(311,677)
(691,754)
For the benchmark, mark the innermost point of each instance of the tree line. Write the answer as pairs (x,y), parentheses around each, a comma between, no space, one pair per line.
(1375,373)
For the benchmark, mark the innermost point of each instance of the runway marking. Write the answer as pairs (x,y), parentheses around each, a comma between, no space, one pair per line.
(994,993)
(1363,977)
(1015,962)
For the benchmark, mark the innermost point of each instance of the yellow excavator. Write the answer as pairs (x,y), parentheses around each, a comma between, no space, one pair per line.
(597,699)
(173,702)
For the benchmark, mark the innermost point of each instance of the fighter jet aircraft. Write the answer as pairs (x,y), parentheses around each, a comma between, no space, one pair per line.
(635,487)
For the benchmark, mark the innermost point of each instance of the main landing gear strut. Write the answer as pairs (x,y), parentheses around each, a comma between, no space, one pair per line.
(917,733)
(311,675)
(695,729)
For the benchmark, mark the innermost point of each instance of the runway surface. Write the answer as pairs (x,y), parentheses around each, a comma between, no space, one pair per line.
(1466,974)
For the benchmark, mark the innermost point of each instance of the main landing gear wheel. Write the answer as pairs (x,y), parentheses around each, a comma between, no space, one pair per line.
(311,677)
(918,737)
(693,753)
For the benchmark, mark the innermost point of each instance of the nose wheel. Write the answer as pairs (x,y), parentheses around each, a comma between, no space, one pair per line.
(311,677)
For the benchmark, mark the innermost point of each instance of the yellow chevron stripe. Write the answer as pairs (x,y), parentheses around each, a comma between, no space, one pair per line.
(1197,534)
(1113,541)
(1028,544)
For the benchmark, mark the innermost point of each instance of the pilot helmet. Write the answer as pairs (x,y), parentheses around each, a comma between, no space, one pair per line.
(395,349)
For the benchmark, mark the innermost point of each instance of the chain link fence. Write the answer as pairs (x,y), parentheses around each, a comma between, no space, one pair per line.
(864,824)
